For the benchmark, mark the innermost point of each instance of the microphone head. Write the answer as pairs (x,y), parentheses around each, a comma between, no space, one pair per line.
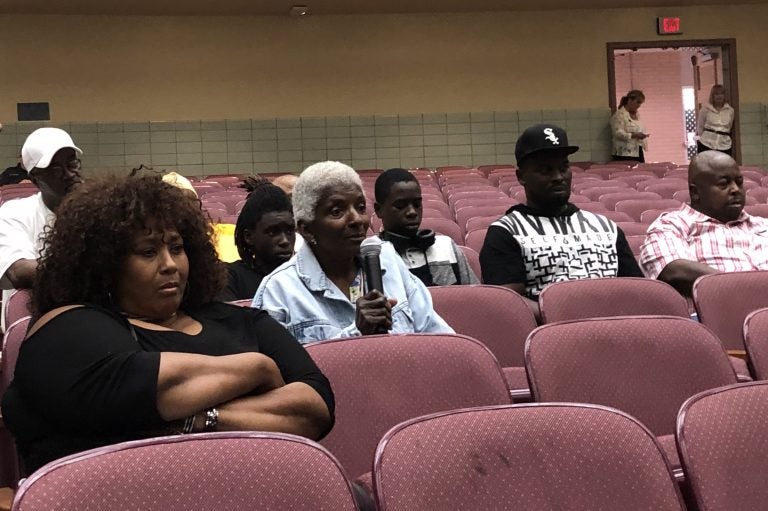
(370,247)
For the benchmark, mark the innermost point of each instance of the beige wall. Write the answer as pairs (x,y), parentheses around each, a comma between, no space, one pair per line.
(169,68)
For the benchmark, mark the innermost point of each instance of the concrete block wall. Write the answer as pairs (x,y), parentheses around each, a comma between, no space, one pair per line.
(199,148)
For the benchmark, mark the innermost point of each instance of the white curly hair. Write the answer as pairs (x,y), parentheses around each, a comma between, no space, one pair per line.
(314,180)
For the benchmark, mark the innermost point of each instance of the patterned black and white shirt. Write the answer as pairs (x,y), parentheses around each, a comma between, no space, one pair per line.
(527,246)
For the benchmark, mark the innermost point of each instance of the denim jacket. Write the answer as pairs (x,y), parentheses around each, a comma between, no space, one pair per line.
(300,296)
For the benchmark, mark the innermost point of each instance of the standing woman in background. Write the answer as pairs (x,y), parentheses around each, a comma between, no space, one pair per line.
(715,123)
(629,136)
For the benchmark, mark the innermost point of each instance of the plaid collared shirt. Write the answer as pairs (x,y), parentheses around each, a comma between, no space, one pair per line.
(740,245)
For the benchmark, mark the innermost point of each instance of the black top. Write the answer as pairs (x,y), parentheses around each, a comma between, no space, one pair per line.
(13,175)
(242,283)
(537,248)
(82,380)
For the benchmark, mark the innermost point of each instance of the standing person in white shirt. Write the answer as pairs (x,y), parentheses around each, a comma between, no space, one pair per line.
(629,139)
(51,158)
(715,122)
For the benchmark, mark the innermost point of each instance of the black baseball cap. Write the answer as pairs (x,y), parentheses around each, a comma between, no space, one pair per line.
(542,137)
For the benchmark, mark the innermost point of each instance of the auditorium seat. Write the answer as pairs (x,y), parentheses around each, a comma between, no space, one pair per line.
(633,228)
(473,259)
(756,342)
(724,300)
(633,179)
(621,296)
(480,222)
(467,212)
(12,341)
(238,471)
(496,316)
(759,194)
(18,306)
(646,366)
(536,457)
(635,208)
(760,210)
(666,190)
(649,216)
(722,439)
(594,193)
(382,380)
(615,215)
(681,184)
(610,200)
(475,239)
(444,226)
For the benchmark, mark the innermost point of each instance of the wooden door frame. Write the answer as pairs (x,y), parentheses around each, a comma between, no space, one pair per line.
(728,45)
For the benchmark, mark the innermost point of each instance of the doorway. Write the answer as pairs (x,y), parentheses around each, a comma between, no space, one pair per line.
(676,78)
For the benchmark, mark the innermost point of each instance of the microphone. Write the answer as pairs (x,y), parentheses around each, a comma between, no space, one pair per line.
(369,253)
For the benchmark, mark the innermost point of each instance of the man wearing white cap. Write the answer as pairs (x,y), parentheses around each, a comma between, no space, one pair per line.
(50,157)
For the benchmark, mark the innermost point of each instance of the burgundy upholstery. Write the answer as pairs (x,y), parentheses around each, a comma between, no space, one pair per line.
(17,306)
(473,259)
(493,193)
(480,222)
(757,210)
(633,179)
(759,194)
(623,296)
(634,208)
(722,435)
(539,457)
(646,366)
(615,215)
(649,216)
(444,226)
(595,192)
(467,212)
(247,302)
(666,190)
(382,380)
(756,341)
(724,300)
(610,200)
(496,316)
(633,228)
(635,242)
(233,471)
(475,240)
(14,337)
(680,184)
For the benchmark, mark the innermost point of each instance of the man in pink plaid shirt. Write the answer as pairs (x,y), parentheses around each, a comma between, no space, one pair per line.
(711,235)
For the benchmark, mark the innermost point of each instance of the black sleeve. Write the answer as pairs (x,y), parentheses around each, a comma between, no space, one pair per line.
(291,358)
(628,266)
(501,259)
(84,372)
(229,294)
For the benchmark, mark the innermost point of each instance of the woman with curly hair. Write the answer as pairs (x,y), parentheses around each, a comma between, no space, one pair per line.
(128,343)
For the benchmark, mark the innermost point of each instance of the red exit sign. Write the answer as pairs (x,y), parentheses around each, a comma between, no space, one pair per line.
(667,26)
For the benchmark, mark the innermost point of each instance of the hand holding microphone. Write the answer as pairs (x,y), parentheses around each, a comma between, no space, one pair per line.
(374,310)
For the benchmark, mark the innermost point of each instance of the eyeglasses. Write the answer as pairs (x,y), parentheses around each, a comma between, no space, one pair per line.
(73,166)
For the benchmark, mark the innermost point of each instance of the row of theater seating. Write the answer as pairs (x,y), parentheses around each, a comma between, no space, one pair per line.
(646,366)
(425,422)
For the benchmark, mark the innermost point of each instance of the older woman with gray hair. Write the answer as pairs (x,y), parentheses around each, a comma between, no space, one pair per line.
(321,293)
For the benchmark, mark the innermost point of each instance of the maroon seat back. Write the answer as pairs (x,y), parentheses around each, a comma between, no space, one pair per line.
(756,342)
(17,306)
(724,300)
(635,207)
(236,471)
(475,239)
(444,226)
(14,337)
(721,436)
(473,260)
(610,200)
(382,380)
(646,366)
(536,457)
(623,296)
(496,316)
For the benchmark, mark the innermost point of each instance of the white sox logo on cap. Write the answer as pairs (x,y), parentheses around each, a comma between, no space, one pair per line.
(550,135)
